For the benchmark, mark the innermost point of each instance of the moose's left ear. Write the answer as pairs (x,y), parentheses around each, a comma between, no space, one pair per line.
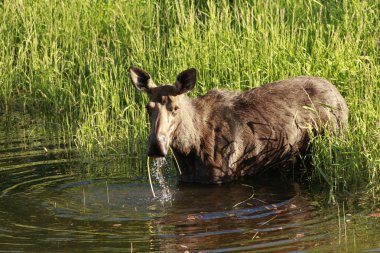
(186,81)
(141,79)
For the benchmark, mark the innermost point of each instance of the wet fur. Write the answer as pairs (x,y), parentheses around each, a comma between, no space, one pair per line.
(225,135)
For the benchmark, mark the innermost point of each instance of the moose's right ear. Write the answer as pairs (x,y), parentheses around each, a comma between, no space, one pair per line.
(141,79)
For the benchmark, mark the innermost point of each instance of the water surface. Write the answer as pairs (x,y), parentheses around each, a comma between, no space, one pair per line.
(54,201)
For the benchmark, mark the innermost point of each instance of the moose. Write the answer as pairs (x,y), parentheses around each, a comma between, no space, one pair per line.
(225,136)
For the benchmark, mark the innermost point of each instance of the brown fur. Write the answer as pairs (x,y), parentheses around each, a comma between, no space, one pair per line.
(225,135)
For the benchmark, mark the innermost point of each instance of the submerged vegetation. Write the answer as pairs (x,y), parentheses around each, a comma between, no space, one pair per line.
(69,60)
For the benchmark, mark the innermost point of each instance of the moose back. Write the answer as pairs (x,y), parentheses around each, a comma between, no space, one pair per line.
(226,135)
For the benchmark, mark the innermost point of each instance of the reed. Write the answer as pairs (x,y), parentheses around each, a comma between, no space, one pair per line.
(70,58)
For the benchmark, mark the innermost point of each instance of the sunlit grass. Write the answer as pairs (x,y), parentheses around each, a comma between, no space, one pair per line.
(70,58)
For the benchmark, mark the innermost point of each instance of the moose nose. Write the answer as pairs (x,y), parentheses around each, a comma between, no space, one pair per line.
(158,146)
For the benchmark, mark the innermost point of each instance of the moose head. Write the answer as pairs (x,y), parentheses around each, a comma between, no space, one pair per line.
(164,107)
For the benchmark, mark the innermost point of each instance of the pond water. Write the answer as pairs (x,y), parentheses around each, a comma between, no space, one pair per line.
(51,201)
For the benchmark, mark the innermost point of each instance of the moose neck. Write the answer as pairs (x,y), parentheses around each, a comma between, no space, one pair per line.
(187,135)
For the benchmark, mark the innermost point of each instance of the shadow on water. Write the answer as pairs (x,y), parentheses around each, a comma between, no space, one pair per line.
(51,201)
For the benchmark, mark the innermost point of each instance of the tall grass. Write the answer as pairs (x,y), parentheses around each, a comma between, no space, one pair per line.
(70,58)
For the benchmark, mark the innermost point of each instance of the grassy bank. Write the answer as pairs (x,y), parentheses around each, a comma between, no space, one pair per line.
(70,58)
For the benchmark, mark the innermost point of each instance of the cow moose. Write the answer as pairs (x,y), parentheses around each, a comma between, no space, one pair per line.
(224,136)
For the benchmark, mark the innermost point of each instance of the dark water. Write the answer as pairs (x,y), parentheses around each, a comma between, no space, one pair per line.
(51,202)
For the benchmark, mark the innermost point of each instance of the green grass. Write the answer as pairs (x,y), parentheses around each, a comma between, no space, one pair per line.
(70,58)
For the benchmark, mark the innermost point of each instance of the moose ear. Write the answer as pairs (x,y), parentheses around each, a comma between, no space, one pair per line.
(141,79)
(186,81)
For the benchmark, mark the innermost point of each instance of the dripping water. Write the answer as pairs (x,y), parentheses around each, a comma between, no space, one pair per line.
(164,194)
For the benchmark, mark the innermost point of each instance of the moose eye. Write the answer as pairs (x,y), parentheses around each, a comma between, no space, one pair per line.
(172,108)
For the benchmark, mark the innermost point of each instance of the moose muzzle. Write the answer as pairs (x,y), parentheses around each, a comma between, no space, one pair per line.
(158,146)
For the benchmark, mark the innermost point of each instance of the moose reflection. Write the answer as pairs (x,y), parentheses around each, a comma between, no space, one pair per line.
(224,135)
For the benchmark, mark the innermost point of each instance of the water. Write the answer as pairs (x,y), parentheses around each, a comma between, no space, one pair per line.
(164,194)
(53,202)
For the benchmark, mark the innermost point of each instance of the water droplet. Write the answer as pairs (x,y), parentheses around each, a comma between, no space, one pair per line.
(165,194)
